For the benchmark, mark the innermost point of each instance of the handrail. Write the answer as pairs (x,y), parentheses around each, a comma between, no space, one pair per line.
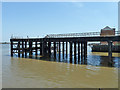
(88,34)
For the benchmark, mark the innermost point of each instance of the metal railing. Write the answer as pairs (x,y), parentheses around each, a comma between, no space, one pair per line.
(16,37)
(117,33)
(89,34)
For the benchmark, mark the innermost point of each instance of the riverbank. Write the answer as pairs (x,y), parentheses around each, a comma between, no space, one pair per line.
(105,54)
(4,42)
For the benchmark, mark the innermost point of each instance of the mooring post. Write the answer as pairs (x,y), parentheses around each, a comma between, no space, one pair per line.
(110,49)
(74,52)
(59,49)
(66,48)
(78,51)
(18,48)
(70,52)
(54,49)
(11,48)
(22,48)
(40,48)
(49,48)
(35,47)
(25,48)
(63,50)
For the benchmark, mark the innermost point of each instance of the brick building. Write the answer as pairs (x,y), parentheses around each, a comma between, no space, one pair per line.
(107,31)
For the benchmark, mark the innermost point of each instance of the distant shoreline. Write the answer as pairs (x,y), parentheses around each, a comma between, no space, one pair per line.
(4,42)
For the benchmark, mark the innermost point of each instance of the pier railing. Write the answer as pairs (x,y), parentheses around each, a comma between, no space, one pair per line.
(16,37)
(117,33)
(89,34)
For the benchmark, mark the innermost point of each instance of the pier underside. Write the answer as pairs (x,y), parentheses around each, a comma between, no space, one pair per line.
(68,47)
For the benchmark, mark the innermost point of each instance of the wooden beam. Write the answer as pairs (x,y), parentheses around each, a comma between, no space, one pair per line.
(78,51)
(25,48)
(75,52)
(54,49)
(63,50)
(110,49)
(22,48)
(66,48)
(18,48)
(70,52)
(59,49)
(49,48)
(11,48)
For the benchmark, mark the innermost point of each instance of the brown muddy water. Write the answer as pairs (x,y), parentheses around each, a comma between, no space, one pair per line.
(96,72)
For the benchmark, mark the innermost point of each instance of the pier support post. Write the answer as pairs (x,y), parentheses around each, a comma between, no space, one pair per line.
(30,48)
(78,51)
(49,49)
(25,48)
(44,48)
(11,48)
(54,49)
(81,50)
(74,52)
(85,50)
(63,50)
(22,48)
(18,48)
(35,47)
(66,48)
(40,48)
(59,49)
(110,49)
(70,52)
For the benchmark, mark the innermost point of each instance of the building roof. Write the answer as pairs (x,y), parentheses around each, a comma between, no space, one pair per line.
(107,28)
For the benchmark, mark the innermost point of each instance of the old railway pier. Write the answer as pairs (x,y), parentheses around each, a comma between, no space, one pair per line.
(60,47)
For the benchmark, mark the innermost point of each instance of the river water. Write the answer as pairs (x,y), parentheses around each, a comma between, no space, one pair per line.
(97,72)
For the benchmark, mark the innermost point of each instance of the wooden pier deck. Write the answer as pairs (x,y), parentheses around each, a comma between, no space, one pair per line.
(76,46)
